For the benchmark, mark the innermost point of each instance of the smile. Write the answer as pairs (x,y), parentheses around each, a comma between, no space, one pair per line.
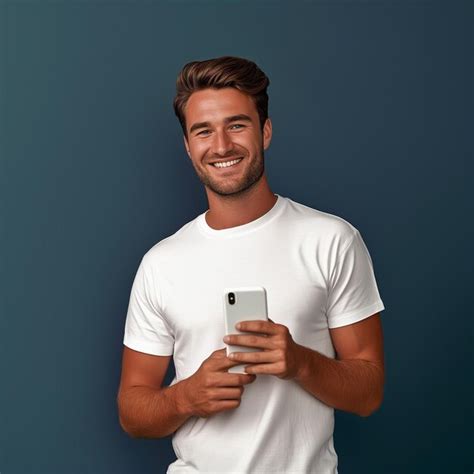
(227,164)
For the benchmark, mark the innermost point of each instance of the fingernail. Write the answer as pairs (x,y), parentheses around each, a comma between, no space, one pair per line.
(226,338)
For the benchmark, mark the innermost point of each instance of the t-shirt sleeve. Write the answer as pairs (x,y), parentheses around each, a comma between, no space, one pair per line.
(146,330)
(353,294)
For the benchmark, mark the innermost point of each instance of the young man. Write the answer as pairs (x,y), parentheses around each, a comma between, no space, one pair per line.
(322,348)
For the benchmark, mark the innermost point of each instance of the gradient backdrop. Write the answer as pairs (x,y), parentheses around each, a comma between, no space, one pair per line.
(371,104)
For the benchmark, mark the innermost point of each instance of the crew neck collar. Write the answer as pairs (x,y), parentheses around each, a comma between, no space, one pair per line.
(244,228)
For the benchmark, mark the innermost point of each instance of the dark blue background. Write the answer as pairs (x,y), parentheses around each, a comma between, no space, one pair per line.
(371,103)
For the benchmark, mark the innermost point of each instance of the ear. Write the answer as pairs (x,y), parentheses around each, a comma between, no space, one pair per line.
(267,133)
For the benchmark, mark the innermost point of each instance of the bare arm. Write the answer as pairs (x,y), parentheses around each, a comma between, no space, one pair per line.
(146,410)
(353,381)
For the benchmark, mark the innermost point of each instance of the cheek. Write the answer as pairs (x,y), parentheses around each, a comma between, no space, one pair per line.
(198,150)
(249,143)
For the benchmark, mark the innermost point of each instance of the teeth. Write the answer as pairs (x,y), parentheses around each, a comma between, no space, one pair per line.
(227,163)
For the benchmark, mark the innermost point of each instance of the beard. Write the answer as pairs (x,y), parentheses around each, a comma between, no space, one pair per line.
(234,186)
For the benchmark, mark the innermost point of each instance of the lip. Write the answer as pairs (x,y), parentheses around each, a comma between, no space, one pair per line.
(223,161)
(227,168)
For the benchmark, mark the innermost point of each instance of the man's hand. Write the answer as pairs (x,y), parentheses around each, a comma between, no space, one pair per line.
(281,355)
(211,389)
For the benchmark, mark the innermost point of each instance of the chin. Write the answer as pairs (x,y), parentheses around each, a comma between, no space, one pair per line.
(238,189)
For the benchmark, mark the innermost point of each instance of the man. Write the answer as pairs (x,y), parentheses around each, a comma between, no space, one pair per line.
(322,348)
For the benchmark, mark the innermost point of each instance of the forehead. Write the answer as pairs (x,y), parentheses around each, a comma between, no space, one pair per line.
(214,104)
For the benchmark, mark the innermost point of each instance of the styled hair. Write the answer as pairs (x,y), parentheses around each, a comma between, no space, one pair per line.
(217,73)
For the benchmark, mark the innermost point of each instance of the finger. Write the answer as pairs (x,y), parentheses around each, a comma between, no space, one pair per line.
(248,378)
(219,354)
(265,327)
(256,357)
(225,405)
(229,379)
(228,393)
(221,362)
(270,369)
(250,340)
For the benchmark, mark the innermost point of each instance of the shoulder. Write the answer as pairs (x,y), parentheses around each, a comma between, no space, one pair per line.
(171,246)
(330,228)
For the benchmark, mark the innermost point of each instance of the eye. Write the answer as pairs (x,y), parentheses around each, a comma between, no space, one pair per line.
(237,125)
(204,131)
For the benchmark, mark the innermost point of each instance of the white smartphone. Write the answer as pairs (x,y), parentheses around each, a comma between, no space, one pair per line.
(243,304)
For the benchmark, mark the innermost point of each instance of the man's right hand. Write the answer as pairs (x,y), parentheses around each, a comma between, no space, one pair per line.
(211,389)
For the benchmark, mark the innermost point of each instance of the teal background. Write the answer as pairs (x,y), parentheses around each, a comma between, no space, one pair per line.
(371,103)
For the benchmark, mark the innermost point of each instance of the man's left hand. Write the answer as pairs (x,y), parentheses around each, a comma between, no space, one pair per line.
(281,355)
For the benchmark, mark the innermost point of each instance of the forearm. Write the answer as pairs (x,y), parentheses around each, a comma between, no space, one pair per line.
(354,385)
(146,412)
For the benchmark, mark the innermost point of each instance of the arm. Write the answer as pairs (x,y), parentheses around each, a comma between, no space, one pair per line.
(353,381)
(147,410)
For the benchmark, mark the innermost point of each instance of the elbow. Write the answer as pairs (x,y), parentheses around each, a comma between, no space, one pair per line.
(122,419)
(127,429)
(139,434)
(375,399)
(365,414)
(134,434)
(372,408)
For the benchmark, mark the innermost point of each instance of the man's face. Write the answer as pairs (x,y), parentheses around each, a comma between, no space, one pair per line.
(223,125)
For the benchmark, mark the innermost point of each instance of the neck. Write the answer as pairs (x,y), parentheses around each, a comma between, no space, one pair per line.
(234,210)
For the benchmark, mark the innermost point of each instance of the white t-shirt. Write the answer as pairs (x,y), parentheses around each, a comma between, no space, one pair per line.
(318,275)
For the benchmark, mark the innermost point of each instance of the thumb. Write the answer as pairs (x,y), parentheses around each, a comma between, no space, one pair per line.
(219,353)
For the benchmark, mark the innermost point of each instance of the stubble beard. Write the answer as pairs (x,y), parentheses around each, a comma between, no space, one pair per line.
(235,186)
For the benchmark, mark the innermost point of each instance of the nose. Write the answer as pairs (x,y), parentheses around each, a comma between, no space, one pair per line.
(221,143)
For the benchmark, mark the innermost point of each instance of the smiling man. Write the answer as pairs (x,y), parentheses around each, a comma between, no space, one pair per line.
(322,348)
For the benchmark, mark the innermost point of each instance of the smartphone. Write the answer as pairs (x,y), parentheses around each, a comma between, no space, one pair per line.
(243,304)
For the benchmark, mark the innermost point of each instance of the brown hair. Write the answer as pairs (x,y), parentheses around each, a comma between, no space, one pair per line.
(217,73)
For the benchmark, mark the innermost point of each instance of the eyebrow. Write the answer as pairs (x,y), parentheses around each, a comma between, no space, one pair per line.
(233,118)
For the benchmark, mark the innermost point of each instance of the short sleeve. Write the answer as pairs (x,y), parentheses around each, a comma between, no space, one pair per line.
(146,330)
(353,294)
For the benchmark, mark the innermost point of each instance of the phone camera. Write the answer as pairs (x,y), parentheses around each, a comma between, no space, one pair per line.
(231,298)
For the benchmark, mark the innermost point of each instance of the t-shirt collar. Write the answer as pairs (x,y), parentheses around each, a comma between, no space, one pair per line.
(244,228)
